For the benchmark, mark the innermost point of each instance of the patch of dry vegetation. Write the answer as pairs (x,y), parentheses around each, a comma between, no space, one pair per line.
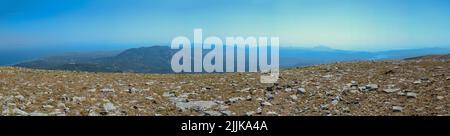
(415,87)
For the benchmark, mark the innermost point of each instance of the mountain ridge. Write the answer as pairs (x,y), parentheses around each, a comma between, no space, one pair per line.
(156,59)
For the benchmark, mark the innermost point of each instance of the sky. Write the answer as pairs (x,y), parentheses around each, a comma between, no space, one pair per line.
(341,24)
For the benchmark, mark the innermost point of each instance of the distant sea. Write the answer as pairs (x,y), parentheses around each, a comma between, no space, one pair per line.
(14,55)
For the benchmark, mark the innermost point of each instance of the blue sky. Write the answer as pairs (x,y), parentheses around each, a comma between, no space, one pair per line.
(341,24)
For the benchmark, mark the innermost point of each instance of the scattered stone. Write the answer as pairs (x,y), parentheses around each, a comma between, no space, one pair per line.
(259,99)
(64,98)
(438,108)
(266,104)
(212,113)
(57,112)
(92,90)
(293,97)
(354,91)
(389,72)
(205,89)
(221,102)
(195,105)
(269,96)
(353,84)
(106,89)
(288,89)
(362,88)
(109,107)
(77,99)
(419,109)
(169,94)
(227,113)
(245,90)
(149,83)
(184,95)
(61,105)
(371,87)
(391,90)
(222,107)
(272,113)
(134,90)
(20,112)
(401,93)
(178,99)
(38,114)
(417,82)
(235,99)
(48,107)
(324,106)
(248,98)
(250,113)
(397,108)
(301,91)
(259,110)
(35,92)
(411,95)
(346,110)
(335,102)
(150,98)
(424,78)
(20,97)
(93,113)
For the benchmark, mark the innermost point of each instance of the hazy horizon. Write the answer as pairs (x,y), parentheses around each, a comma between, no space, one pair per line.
(11,56)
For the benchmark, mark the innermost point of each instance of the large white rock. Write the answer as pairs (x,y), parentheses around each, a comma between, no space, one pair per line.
(411,95)
(391,90)
(109,107)
(20,112)
(397,108)
(195,105)
(38,114)
(301,90)
(266,104)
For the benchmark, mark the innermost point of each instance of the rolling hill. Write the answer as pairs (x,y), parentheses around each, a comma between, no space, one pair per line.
(156,59)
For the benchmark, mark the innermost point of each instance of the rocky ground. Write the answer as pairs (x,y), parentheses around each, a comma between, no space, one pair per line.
(413,87)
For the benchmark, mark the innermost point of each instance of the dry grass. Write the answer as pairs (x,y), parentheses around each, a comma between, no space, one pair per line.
(42,87)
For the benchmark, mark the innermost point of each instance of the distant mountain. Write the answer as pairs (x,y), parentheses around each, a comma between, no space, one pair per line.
(444,57)
(11,55)
(322,54)
(156,59)
(408,53)
(67,59)
(292,56)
